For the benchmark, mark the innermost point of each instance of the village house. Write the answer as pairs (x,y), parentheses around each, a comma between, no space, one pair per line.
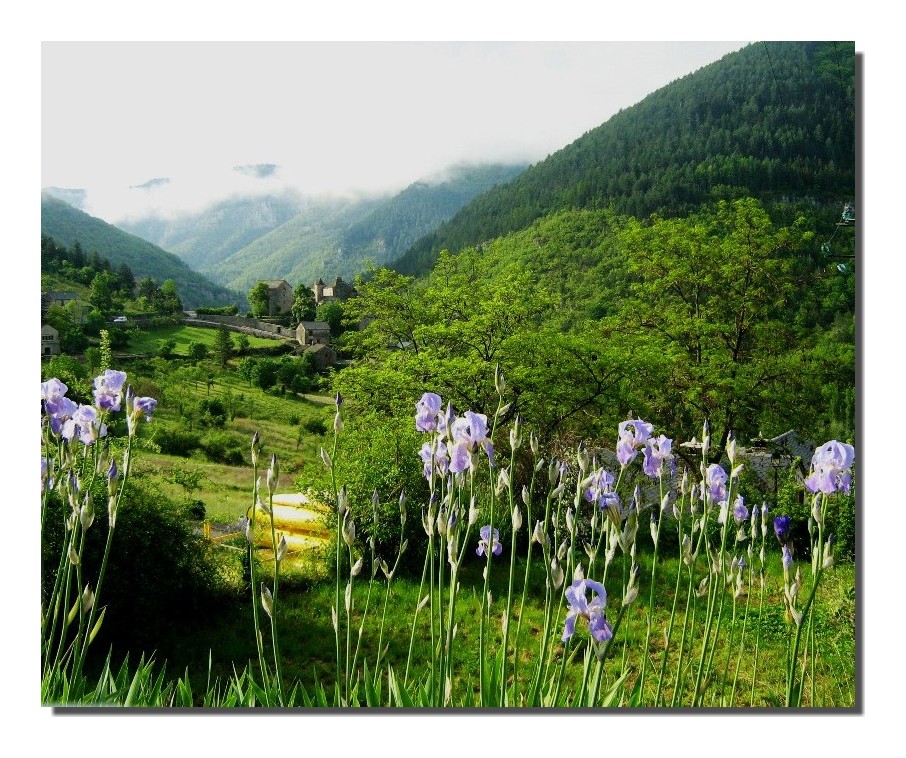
(322,355)
(279,297)
(56,298)
(770,460)
(50,340)
(339,290)
(313,333)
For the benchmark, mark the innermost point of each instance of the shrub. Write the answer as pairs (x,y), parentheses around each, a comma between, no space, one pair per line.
(198,351)
(223,447)
(213,412)
(167,348)
(160,574)
(174,440)
(841,517)
(379,454)
(219,310)
(71,372)
(316,426)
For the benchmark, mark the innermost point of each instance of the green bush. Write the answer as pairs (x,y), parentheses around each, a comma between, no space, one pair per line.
(316,426)
(213,412)
(167,348)
(379,454)
(176,441)
(218,310)
(794,501)
(223,447)
(71,372)
(161,575)
(198,351)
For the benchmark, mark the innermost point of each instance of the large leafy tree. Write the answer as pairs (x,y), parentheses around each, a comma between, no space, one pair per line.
(331,312)
(710,299)
(448,333)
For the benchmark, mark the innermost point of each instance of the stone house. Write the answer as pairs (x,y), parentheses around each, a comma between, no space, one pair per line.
(339,290)
(323,356)
(52,297)
(313,333)
(279,297)
(770,460)
(50,340)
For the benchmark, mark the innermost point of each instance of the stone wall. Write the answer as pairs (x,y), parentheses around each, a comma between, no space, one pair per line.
(245,325)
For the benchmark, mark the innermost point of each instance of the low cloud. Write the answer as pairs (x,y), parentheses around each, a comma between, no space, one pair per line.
(259,170)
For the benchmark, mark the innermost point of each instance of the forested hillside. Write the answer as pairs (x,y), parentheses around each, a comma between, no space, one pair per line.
(335,237)
(773,121)
(67,226)
(686,261)
(204,239)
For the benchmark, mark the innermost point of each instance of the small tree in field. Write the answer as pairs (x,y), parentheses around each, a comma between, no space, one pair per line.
(223,346)
(198,351)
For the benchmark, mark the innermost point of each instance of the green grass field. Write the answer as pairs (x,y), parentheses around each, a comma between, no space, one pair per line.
(307,637)
(278,420)
(306,595)
(149,342)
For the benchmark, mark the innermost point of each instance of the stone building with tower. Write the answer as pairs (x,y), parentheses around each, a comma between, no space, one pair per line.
(339,290)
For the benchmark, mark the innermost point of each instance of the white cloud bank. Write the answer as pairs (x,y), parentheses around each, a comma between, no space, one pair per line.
(333,117)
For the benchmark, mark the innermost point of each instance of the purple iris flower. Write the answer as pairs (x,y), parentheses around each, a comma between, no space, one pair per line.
(486,543)
(632,436)
(460,457)
(108,390)
(657,452)
(64,408)
(787,557)
(740,512)
(716,479)
(439,452)
(782,528)
(592,610)
(144,405)
(426,412)
(472,428)
(57,406)
(600,491)
(831,465)
(52,392)
(84,422)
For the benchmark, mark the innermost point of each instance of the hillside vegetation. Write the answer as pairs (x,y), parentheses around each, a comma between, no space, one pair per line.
(241,240)
(67,225)
(773,121)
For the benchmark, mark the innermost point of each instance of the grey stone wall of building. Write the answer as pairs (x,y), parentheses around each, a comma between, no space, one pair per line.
(245,325)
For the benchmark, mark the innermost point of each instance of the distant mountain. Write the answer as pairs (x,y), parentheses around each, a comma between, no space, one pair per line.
(67,224)
(75,197)
(420,208)
(326,238)
(298,250)
(205,239)
(773,120)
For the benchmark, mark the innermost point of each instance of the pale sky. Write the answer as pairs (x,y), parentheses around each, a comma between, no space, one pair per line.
(333,117)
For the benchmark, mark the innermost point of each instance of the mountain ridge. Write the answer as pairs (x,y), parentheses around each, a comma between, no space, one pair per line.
(772,120)
(67,224)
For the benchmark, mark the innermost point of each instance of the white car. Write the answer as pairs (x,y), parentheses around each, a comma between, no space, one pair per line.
(120,320)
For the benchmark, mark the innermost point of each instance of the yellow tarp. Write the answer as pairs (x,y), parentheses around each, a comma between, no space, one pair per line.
(296,517)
